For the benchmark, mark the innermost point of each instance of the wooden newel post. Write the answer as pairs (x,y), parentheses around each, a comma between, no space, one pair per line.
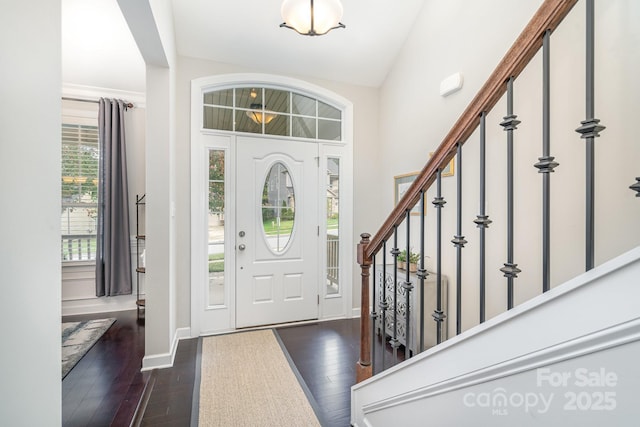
(363,367)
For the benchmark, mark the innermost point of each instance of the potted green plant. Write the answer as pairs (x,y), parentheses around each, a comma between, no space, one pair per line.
(414,257)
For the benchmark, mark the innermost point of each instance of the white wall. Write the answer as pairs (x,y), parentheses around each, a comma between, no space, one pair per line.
(152,26)
(97,47)
(367,213)
(471,38)
(29,218)
(158,255)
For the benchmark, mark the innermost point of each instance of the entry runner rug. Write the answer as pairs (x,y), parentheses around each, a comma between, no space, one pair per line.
(246,380)
(78,338)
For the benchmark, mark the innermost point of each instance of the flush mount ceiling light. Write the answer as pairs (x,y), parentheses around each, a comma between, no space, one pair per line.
(259,117)
(312,18)
(257,114)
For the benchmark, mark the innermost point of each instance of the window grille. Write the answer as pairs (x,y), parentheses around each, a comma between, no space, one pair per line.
(270,111)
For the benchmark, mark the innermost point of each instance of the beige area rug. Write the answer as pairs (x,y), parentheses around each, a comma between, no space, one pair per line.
(246,380)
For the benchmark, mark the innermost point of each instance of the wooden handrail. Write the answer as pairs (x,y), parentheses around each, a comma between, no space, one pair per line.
(547,17)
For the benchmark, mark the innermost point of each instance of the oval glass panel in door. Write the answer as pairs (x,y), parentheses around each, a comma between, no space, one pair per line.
(278,207)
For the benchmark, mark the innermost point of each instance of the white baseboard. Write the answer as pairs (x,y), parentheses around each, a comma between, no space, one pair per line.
(98,305)
(165,360)
(355,312)
(181,334)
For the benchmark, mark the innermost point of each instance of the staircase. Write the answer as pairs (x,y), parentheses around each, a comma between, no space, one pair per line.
(566,353)
(554,358)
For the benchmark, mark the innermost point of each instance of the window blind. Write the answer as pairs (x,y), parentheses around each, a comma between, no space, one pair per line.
(79,180)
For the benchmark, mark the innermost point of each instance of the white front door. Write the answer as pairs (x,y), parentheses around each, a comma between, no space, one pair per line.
(276,231)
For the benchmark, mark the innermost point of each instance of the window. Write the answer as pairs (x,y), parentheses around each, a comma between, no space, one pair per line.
(278,207)
(271,112)
(216,237)
(79,180)
(333,225)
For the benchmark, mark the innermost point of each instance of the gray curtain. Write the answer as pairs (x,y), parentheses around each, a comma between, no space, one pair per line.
(113,252)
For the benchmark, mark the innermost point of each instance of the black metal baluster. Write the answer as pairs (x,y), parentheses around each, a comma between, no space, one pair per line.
(395,252)
(438,314)
(510,124)
(422,272)
(407,288)
(383,304)
(482,219)
(589,130)
(546,164)
(459,241)
(636,186)
(374,317)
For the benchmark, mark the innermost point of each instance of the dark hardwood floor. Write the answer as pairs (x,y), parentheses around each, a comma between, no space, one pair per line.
(105,387)
(325,354)
(170,402)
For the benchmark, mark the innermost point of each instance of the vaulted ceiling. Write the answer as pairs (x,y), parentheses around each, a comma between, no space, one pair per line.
(247,32)
(98,49)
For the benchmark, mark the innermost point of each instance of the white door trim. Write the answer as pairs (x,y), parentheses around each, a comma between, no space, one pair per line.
(330,306)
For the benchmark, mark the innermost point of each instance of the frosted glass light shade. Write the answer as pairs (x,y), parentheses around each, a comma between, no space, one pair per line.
(259,117)
(312,17)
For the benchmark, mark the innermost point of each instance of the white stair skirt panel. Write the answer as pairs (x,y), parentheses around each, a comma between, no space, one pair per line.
(569,356)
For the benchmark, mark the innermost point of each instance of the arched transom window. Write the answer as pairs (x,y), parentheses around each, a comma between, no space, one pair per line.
(271,111)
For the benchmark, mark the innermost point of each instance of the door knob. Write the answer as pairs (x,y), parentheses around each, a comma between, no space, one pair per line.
(242,247)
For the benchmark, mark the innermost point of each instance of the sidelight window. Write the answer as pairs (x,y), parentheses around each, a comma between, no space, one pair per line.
(216,235)
(333,225)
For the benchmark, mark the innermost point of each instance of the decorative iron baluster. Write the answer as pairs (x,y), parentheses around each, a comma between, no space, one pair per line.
(374,317)
(395,343)
(407,288)
(383,304)
(459,241)
(589,130)
(422,272)
(636,186)
(438,314)
(510,124)
(482,220)
(546,164)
